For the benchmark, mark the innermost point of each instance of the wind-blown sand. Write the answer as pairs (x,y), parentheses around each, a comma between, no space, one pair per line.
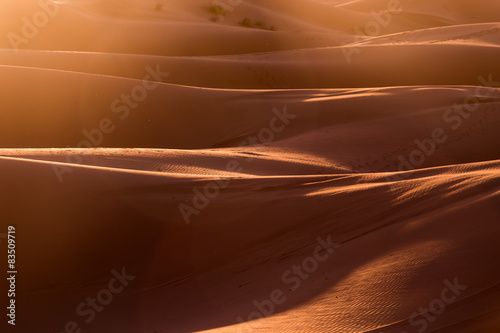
(170,170)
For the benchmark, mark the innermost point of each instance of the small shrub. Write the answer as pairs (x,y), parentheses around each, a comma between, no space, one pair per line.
(259,24)
(246,23)
(217,10)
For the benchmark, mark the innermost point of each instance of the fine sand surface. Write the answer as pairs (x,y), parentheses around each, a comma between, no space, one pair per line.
(269,166)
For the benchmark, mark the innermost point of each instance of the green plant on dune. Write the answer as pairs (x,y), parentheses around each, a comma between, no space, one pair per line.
(217,10)
(248,23)
(259,24)
(359,30)
(219,13)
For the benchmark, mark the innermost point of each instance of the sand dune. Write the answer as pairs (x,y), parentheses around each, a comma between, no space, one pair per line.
(267,166)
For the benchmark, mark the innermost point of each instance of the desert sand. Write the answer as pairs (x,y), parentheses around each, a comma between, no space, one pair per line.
(241,166)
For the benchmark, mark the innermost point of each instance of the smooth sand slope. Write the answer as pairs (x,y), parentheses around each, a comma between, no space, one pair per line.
(269,166)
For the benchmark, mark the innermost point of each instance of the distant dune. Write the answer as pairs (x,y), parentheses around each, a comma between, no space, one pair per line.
(240,166)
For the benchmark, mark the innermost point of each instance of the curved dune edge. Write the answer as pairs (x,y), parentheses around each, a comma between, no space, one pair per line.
(429,218)
(289,166)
